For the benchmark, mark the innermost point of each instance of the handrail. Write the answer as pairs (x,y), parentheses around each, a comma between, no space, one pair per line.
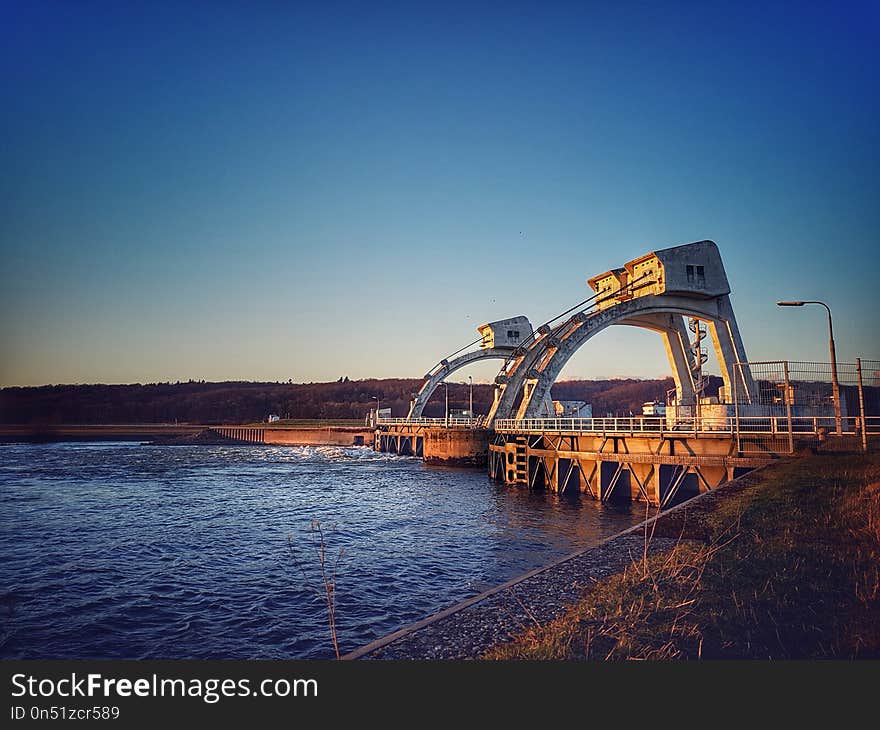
(657,424)
(451,421)
(709,424)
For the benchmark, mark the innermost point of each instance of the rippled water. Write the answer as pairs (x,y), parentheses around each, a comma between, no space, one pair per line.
(121,551)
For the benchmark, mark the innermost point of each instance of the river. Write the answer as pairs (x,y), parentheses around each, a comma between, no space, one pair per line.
(123,551)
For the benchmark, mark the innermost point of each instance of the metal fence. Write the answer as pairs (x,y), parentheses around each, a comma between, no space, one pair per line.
(771,408)
(807,402)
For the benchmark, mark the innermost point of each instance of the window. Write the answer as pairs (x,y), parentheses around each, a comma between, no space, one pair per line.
(696,275)
(512,334)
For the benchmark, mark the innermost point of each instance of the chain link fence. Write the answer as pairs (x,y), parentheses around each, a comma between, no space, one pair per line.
(783,406)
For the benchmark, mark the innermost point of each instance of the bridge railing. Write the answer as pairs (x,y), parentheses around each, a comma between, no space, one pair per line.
(627,425)
(457,421)
(774,425)
(659,424)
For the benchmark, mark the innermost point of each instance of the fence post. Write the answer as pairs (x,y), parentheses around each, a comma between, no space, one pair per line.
(736,407)
(862,420)
(785,394)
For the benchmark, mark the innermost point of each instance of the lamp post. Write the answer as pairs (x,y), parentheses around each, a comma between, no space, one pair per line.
(376,398)
(446,408)
(471,395)
(835,386)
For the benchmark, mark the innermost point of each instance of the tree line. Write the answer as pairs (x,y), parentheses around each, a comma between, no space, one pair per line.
(199,402)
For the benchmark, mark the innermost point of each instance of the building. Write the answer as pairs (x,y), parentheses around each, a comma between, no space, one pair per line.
(572,409)
(653,408)
(505,333)
(695,270)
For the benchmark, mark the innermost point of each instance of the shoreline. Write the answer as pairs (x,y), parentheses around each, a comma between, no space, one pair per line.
(673,586)
(469,628)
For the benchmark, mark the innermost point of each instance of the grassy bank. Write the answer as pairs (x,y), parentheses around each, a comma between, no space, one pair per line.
(786,565)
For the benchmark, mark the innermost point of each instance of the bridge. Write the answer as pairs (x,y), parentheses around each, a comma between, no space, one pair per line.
(679,293)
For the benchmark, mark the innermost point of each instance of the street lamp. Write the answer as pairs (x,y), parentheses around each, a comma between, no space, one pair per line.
(835,386)
(471,395)
(446,411)
(376,398)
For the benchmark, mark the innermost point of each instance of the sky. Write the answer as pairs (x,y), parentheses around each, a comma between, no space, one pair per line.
(305,191)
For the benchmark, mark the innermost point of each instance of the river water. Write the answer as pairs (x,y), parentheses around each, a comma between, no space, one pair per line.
(123,551)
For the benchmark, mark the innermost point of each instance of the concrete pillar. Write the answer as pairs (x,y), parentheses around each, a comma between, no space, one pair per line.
(676,342)
(655,489)
(456,446)
(729,350)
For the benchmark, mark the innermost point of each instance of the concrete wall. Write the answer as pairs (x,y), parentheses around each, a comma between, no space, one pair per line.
(456,446)
(319,436)
(327,436)
(137,432)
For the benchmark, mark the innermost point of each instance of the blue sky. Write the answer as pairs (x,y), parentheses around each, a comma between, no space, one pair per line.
(271,190)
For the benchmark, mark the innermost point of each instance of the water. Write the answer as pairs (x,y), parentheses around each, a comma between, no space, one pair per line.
(121,551)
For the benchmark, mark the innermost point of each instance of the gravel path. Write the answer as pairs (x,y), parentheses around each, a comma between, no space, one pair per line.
(468,632)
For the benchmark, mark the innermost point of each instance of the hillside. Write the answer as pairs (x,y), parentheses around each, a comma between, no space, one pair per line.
(241,402)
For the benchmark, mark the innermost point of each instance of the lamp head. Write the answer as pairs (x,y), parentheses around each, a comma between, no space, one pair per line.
(789,304)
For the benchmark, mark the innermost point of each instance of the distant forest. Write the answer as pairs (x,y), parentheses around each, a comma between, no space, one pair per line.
(198,402)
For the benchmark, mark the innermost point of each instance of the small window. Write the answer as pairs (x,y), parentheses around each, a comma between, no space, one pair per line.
(690,274)
(701,276)
(512,334)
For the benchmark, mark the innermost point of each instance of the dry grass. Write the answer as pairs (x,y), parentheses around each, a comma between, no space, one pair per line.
(327,572)
(786,568)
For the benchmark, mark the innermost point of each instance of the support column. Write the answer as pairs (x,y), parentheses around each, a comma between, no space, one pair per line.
(675,339)
(729,350)
(655,484)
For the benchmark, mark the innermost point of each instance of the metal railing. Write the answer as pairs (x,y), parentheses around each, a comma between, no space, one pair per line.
(632,424)
(807,425)
(451,421)
(774,407)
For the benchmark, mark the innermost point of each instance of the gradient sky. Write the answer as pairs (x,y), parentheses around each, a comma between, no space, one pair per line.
(270,190)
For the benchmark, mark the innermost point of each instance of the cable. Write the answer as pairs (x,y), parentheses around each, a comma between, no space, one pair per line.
(463,348)
(631,286)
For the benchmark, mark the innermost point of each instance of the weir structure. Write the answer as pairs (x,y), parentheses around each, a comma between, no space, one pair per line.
(498,341)
(678,293)
(657,292)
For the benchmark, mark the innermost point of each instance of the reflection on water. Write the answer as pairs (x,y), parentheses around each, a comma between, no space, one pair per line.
(117,551)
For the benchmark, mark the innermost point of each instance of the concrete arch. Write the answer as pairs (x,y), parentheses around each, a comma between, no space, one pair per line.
(534,371)
(445,368)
